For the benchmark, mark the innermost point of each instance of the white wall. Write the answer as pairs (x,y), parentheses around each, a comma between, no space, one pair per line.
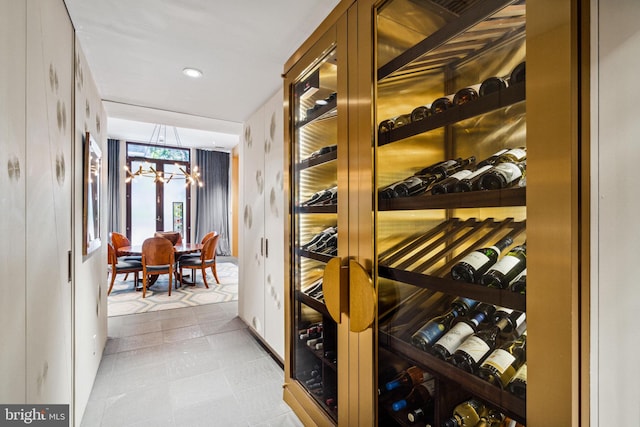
(615,212)
(90,281)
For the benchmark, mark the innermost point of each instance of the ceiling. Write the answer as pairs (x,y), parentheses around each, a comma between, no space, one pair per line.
(137,50)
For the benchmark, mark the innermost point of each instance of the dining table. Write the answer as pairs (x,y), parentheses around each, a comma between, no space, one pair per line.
(180,249)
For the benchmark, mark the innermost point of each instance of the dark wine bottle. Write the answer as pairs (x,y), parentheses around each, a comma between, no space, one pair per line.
(518,384)
(517,322)
(518,75)
(322,197)
(506,269)
(466,94)
(449,168)
(318,237)
(492,159)
(503,175)
(462,328)
(501,365)
(432,330)
(324,150)
(432,168)
(420,113)
(476,347)
(491,85)
(446,185)
(441,104)
(408,378)
(470,183)
(420,395)
(386,125)
(414,185)
(519,284)
(475,264)
(490,418)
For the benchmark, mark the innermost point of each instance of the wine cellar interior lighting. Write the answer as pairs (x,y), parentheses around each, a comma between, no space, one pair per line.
(158,137)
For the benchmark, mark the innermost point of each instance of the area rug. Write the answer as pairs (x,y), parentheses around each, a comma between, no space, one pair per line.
(124,299)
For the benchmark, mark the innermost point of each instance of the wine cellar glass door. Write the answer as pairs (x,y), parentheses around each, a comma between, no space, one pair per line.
(315,158)
(450,171)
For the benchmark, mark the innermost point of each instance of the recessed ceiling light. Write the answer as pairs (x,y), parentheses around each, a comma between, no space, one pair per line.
(192,72)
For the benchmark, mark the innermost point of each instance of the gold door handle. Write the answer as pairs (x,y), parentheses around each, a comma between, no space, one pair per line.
(334,293)
(362,298)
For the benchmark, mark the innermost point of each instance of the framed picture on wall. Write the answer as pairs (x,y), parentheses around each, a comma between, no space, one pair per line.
(91,195)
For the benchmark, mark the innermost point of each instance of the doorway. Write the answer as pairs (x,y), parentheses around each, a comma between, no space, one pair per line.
(158,199)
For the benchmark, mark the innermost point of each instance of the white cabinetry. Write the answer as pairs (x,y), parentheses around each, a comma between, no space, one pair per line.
(261,273)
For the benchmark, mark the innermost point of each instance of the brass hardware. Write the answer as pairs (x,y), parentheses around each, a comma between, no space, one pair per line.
(362,298)
(332,289)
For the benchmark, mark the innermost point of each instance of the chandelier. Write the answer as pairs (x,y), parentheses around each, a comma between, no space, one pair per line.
(159,137)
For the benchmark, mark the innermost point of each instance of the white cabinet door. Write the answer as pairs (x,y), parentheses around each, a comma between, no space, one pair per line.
(12,200)
(48,201)
(251,274)
(274,217)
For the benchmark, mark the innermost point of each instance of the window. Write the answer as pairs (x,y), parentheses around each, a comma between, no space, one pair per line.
(154,205)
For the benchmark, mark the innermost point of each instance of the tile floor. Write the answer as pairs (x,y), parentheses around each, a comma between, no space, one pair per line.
(196,366)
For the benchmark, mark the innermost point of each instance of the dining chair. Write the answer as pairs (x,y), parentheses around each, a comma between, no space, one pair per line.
(120,266)
(158,257)
(202,242)
(206,259)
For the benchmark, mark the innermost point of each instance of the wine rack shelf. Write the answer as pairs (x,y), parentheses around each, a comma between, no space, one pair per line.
(314,255)
(485,104)
(317,160)
(316,209)
(323,112)
(312,302)
(483,26)
(516,196)
(505,401)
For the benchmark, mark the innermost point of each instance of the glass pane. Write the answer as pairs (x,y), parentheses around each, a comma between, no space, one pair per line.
(143,206)
(315,230)
(175,201)
(450,104)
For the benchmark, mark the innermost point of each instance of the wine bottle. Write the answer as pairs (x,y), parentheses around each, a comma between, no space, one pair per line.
(432,330)
(471,268)
(476,347)
(502,175)
(492,159)
(429,170)
(462,328)
(401,120)
(414,185)
(517,322)
(322,197)
(420,113)
(420,395)
(470,183)
(466,94)
(324,150)
(518,75)
(446,185)
(490,418)
(441,104)
(506,269)
(424,414)
(501,365)
(519,284)
(385,125)
(508,422)
(448,168)
(465,414)
(408,378)
(518,384)
(320,240)
(514,155)
(491,85)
